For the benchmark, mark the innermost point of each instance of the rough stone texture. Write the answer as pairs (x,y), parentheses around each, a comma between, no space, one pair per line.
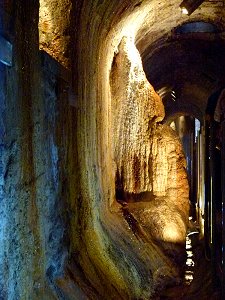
(52,180)
(22,272)
(3,203)
(169,175)
(59,163)
(136,108)
(33,184)
(164,212)
(50,138)
(149,160)
(54,29)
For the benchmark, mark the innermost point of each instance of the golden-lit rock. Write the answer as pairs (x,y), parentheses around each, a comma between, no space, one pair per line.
(151,178)
(150,163)
(136,108)
(62,235)
(169,168)
(160,219)
(54,29)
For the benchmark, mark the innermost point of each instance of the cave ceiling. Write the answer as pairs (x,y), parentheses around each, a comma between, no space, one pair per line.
(185,67)
(188,65)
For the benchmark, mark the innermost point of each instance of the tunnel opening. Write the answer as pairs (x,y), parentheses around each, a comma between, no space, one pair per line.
(196,27)
(135,188)
(150,178)
(176,87)
(186,103)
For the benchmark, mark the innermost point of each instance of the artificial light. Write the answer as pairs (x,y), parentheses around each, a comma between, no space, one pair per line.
(184,10)
(189,6)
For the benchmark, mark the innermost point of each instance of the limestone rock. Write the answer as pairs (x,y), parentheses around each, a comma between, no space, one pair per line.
(58,231)
(160,219)
(54,32)
(136,109)
(149,158)
(169,171)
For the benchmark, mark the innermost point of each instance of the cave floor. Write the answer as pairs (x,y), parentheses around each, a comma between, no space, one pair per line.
(197,283)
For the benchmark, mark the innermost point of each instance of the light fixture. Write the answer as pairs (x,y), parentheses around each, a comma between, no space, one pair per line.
(184,10)
(189,6)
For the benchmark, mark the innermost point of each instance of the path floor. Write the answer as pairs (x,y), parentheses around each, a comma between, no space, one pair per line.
(197,283)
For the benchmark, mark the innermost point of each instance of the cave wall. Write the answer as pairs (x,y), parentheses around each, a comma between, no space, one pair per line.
(136,109)
(150,165)
(109,251)
(64,236)
(3,212)
(35,145)
(22,267)
(55,29)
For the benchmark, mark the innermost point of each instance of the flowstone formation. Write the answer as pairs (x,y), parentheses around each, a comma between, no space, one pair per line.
(54,29)
(150,167)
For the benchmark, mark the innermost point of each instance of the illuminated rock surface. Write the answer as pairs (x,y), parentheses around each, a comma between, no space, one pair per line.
(150,164)
(54,29)
(75,140)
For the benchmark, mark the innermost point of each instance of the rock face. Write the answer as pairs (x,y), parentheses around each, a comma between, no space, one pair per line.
(63,234)
(32,160)
(54,29)
(149,160)
(136,108)
(170,182)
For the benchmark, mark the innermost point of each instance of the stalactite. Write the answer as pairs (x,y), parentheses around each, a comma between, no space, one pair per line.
(136,109)
(149,160)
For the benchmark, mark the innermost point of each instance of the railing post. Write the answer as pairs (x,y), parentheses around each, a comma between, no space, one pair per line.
(223,204)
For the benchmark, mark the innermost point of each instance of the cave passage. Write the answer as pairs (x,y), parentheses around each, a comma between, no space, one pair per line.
(112,150)
(144,190)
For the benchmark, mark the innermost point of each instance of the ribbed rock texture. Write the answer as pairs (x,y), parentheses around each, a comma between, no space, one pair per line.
(55,30)
(148,156)
(33,145)
(136,108)
(67,145)
(149,159)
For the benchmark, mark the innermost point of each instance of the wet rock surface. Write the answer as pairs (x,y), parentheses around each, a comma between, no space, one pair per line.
(198,282)
(60,161)
(54,29)
(150,175)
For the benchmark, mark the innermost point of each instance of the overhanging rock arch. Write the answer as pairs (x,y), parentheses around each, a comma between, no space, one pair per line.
(105,232)
(104,253)
(136,110)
